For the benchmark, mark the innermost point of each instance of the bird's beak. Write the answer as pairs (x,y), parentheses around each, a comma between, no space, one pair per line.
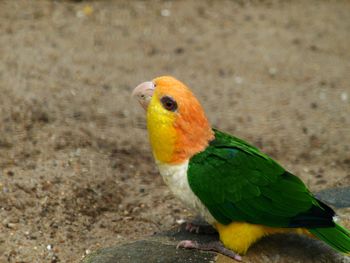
(144,93)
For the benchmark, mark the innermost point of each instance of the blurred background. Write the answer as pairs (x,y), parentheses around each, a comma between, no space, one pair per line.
(76,171)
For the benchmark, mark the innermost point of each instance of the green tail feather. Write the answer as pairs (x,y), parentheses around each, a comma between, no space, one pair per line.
(337,237)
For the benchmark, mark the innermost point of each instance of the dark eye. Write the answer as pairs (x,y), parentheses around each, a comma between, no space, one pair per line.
(169,103)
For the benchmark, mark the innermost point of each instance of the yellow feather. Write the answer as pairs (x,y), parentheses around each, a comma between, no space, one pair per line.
(161,132)
(239,236)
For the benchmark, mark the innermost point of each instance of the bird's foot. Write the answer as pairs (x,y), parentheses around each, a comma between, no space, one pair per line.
(215,246)
(199,229)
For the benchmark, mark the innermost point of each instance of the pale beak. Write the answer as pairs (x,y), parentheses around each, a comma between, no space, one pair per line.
(144,93)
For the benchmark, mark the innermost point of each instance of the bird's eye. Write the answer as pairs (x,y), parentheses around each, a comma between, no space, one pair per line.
(169,103)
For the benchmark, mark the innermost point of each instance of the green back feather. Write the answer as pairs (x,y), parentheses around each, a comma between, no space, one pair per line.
(237,182)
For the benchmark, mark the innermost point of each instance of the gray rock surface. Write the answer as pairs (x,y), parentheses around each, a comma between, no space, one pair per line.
(147,251)
(162,248)
(277,248)
(337,197)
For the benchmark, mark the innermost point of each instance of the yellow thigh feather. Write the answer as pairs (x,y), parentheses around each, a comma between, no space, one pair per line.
(239,236)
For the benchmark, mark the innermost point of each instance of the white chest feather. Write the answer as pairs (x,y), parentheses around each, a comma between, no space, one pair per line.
(175,176)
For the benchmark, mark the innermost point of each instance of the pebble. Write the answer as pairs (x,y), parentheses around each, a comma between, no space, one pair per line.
(86,11)
(180,221)
(77,152)
(238,80)
(323,96)
(11,225)
(344,96)
(165,12)
(272,71)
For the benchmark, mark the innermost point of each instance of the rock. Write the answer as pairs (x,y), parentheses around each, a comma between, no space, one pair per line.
(337,197)
(162,248)
(147,251)
(286,248)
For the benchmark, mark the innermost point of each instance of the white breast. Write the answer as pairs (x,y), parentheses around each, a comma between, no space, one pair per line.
(175,176)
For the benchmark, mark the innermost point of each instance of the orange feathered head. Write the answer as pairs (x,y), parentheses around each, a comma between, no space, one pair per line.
(176,122)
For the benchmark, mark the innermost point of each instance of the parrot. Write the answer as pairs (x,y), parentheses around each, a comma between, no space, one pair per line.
(239,190)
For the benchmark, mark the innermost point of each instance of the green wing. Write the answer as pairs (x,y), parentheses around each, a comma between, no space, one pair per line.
(237,182)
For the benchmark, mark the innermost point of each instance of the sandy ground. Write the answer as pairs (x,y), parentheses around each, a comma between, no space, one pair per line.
(76,171)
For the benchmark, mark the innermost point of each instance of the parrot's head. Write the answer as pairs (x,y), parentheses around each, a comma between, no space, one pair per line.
(176,122)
